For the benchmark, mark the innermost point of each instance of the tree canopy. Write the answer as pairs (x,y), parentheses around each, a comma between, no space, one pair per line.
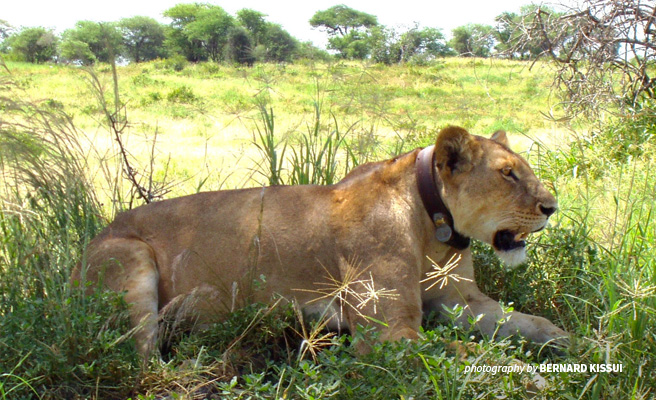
(143,38)
(206,32)
(103,39)
(472,40)
(34,45)
(342,20)
(389,46)
(348,30)
(254,22)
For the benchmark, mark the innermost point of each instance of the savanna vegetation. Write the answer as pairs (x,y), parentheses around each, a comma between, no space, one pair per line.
(205,32)
(78,145)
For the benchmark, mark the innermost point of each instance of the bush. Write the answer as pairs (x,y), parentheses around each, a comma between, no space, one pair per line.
(627,138)
(182,94)
(176,63)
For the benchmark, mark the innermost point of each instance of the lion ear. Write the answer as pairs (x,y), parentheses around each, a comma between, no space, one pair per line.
(501,138)
(455,150)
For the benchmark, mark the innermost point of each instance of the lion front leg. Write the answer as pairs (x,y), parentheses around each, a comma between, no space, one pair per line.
(459,288)
(492,320)
(385,295)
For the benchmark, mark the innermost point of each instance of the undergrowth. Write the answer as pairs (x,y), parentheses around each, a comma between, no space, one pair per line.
(55,342)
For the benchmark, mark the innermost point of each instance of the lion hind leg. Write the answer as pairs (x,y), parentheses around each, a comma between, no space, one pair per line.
(129,265)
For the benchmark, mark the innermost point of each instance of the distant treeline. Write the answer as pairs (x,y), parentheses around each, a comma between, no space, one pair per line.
(204,32)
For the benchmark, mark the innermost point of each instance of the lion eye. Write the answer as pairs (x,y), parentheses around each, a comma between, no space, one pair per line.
(507,171)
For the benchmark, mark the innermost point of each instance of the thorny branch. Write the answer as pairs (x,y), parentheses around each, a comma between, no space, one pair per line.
(602,50)
(117,123)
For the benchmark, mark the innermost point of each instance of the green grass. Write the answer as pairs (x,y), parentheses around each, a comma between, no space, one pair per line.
(211,107)
(207,126)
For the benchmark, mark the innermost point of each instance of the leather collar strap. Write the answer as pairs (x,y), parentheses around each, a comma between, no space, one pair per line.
(429,191)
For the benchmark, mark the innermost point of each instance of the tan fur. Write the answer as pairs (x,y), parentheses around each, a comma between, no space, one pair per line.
(230,248)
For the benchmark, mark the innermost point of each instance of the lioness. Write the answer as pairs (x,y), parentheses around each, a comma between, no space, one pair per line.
(333,248)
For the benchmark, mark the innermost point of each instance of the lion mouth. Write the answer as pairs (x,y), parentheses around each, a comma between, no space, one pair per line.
(507,240)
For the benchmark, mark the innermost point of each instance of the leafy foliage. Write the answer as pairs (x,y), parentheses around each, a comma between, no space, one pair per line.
(210,27)
(77,51)
(204,32)
(340,20)
(347,30)
(279,44)
(177,39)
(254,22)
(390,47)
(34,45)
(143,38)
(239,46)
(104,41)
(473,40)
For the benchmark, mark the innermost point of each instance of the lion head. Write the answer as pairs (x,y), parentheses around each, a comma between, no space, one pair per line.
(491,191)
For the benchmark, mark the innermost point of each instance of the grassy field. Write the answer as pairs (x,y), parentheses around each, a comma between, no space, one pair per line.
(203,127)
(205,115)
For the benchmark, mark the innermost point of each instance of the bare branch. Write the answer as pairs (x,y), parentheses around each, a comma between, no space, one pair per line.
(601,52)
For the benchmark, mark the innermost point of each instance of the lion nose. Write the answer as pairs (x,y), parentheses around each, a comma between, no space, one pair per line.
(547,210)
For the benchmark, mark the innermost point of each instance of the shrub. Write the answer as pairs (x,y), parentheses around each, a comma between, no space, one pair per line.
(182,94)
(144,80)
(628,137)
(176,63)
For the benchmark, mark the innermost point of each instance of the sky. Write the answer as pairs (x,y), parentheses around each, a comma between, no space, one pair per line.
(292,15)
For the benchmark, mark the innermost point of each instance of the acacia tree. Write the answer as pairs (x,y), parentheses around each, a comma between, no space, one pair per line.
(254,22)
(211,28)
(178,40)
(342,19)
(348,30)
(604,51)
(473,40)
(103,39)
(143,38)
(388,46)
(34,45)
(199,31)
